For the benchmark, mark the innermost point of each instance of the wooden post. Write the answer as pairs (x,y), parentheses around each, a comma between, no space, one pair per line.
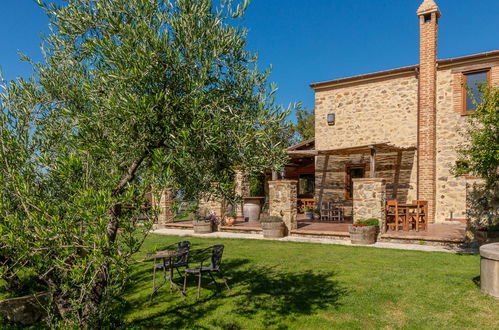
(372,172)
(396,177)
(323,181)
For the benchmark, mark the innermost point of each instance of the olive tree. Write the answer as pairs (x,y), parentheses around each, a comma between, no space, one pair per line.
(131,96)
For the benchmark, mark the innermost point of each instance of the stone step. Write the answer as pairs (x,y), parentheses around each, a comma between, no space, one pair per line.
(320,234)
(240,229)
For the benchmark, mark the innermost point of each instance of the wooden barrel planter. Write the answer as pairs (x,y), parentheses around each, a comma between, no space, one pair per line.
(363,235)
(273,229)
(202,227)
(25,310)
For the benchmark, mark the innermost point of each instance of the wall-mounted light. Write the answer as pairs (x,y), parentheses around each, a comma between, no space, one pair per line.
(331,117)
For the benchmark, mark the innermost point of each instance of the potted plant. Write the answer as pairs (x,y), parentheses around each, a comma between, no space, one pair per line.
(309,212)
(364,232)
(317,213)
(487,234)
(273,227)
(230,218)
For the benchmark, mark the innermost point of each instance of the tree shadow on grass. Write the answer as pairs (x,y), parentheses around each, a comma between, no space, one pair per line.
(276,294)
(265,293)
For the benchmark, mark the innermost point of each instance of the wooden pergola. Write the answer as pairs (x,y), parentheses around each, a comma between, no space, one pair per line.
(371,149)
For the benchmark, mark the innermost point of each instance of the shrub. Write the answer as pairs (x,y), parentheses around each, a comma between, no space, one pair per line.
(369,222)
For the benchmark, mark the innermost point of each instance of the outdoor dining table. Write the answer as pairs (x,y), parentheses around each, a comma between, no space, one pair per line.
(407,210)
(167,258)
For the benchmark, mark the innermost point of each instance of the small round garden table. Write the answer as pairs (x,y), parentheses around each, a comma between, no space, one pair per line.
(167,258)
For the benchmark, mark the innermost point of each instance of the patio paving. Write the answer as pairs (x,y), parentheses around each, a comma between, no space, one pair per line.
(448,232)
(383,245)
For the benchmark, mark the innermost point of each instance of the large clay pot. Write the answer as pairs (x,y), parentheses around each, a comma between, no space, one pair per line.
(251,208)
(363,235)
(25,310)
(273,229)
(202,227)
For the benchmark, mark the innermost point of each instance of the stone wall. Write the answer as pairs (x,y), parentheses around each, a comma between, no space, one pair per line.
(369,199)
(378,111)
(451,191)
(383,110)
(282,201)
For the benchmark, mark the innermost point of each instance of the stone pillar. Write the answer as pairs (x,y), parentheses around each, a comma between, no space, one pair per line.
(165,205)
(283,201)
(489,269)
(213,205)
(369,200)
(242,190)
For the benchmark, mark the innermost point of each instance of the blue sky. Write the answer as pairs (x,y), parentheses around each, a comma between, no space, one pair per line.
(307,41)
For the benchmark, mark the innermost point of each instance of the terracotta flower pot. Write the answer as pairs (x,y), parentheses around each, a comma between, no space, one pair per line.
(364,235)
(230,221)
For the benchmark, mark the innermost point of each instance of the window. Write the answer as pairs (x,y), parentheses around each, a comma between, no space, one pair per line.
(353,172)
(306,184)
(472,94)
(427,18)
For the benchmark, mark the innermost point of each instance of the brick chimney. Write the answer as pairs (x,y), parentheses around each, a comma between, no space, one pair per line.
(428,14)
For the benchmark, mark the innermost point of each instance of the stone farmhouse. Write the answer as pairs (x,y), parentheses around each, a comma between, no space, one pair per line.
(379,138)
(399,127)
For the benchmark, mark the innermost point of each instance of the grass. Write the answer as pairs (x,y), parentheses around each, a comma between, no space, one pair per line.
(284,285)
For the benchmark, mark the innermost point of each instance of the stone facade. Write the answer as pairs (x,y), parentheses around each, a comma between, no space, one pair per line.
(375,111)
(369,198)
(282,201)
(419,106)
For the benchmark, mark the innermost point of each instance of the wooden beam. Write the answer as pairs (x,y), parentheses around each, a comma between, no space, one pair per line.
(372,169)
(323,180)
(396,177)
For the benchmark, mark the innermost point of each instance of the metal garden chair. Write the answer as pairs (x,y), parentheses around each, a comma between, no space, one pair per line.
(182,261)
(212,253)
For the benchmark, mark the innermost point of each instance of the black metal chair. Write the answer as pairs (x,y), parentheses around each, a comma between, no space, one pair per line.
(216,259)
(182,261)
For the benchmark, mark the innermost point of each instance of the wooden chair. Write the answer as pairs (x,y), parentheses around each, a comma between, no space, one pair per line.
(421,216)
(331,211)
(394,216)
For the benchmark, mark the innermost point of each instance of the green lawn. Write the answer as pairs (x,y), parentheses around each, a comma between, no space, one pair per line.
(283,285)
